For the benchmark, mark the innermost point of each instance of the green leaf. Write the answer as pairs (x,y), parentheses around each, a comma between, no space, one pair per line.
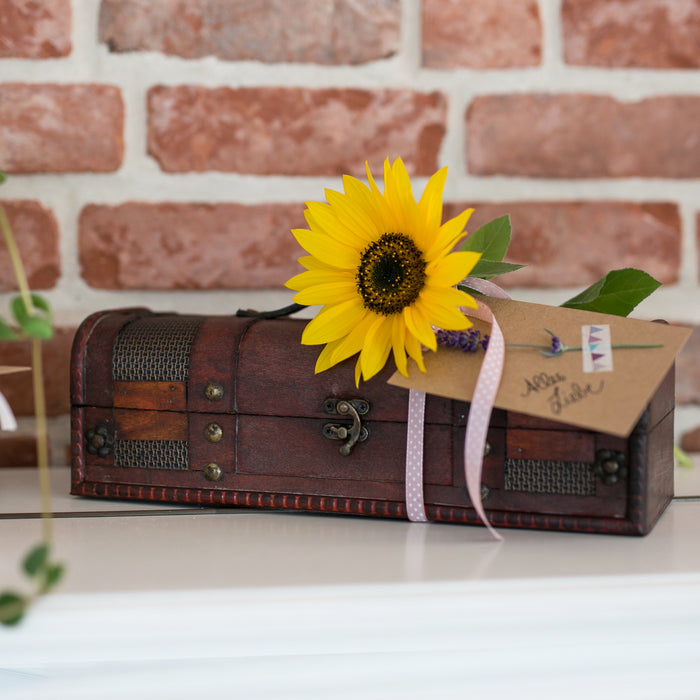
(2,177)
(54,573)
(682,458)
(35,326)
(6,332)
(12,607)
(617,293)
(486,269)
(35,561)
(491,240)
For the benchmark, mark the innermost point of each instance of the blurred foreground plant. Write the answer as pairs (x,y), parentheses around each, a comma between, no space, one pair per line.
(32,316)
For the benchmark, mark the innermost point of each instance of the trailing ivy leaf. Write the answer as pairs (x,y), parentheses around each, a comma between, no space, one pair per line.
(35,561)
(38,326)
(486,269)
(682,459)
(491,240)
(12,607)
(54,573)
(6,332)
(617,293)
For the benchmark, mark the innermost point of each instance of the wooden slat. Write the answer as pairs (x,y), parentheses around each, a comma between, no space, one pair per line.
(150,425)
(155,396)
(555,445)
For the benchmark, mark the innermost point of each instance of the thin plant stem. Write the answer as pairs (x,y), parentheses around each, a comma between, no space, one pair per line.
(16,263)
(42,447)
(578,347)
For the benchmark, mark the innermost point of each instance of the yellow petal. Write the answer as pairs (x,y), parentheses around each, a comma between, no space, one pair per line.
(353,341)
(430,203)
(447,236)
(446,317)
(355,217)
(363,199)
(413,348)
(398,343)
(322,218)
(419,326)
(358,372)
(452,269)
(389,224)
(332,293)
(324,361)
(375,350)
(312,263)
(399,195)
(449,296)
(332,322)
(314,277)
(327,249)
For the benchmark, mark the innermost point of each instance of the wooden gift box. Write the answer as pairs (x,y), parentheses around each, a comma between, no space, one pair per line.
(227,411)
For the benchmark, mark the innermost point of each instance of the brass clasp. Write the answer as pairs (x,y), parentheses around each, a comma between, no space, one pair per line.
(352,408)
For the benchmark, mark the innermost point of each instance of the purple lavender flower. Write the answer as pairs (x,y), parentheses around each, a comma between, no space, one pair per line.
(466,341)
(556,347)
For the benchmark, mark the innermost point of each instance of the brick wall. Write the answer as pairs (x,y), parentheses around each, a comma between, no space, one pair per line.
(159,152)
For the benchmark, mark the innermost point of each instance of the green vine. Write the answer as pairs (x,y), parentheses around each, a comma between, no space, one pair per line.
(32,316)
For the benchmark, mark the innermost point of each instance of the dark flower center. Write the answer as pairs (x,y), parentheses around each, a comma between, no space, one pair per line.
(391,274)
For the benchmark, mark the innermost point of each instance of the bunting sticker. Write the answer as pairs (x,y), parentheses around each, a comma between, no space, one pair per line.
(596,348)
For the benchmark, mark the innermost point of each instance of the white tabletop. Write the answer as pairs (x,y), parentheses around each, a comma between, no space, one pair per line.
(167,601)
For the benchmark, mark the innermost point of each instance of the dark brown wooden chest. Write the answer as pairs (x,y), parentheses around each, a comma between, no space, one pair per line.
(228,411)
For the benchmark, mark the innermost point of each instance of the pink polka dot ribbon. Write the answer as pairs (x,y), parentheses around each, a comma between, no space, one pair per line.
(480,409)
(415,506)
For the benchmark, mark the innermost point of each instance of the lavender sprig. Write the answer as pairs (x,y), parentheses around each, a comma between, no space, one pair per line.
(471,340)
(556,347)
(466,341)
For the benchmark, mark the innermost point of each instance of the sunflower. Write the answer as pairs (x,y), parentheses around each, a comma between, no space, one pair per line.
(381,266)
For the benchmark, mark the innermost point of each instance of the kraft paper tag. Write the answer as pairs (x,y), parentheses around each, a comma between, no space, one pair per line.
(599,387)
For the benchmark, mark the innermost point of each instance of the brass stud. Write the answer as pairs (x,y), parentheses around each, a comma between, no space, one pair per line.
(487,449)
(214,432)
(213,391)
(212,472)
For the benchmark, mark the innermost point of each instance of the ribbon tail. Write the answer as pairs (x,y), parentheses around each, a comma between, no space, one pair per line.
(480,413)
(486,287)
(415,507)
(477,425)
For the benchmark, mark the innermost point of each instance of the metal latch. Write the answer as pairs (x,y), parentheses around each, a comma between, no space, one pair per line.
(352,434)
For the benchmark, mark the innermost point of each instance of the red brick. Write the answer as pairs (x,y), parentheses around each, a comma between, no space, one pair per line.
(584,136)
(573,244)
(17,450)
(60,128)
(690,440)
(293,131)
(36,233)
(697,238)
(688,371)
(30,29)
(305,31)
(481,33)
(189,246)
(56,361)
(632,33)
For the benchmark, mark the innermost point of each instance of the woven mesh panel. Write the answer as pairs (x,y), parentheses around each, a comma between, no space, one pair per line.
(154,349)
(151,454)
(546,476)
